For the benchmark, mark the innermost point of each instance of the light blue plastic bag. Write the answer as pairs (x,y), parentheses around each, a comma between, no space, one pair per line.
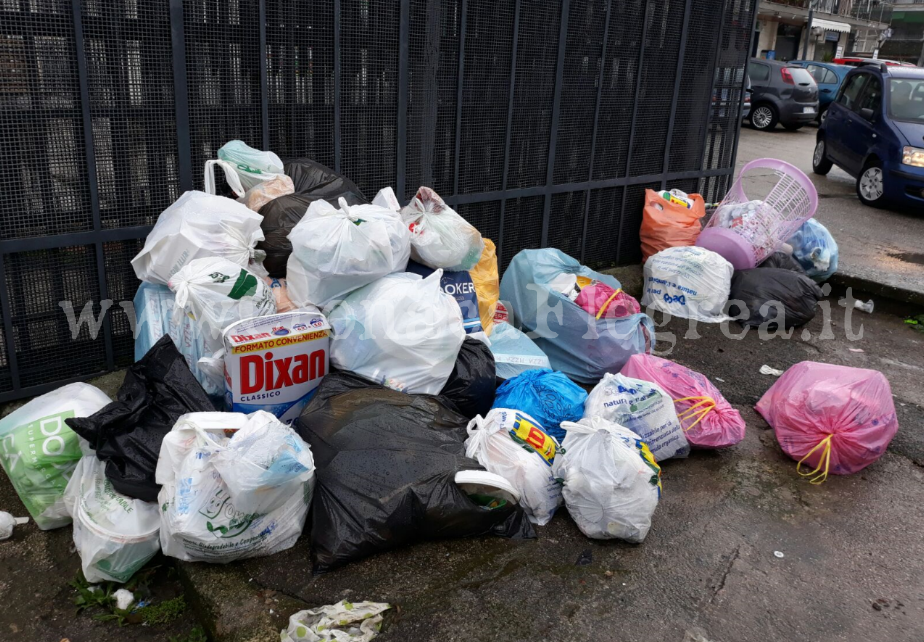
(582,347)
(815,250)
(154,318)
(514,352)
(548,397)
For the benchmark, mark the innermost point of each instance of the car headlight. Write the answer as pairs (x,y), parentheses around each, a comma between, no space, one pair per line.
(913,156)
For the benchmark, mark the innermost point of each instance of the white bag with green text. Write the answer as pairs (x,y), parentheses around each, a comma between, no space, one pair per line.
(235,486)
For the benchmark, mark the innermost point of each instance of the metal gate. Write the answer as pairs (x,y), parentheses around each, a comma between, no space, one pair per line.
(542,122)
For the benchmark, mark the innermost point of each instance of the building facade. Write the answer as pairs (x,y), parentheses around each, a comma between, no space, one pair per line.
(906,42)
(839,27)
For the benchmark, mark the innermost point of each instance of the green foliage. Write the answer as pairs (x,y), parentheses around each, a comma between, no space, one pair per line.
(99,599)
(164,612)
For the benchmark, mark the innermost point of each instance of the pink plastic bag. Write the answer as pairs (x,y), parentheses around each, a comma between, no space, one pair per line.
(707,418)
(835,418)
(604,302)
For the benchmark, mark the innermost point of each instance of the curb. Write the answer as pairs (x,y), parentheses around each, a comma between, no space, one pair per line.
(232,608)
(890,292)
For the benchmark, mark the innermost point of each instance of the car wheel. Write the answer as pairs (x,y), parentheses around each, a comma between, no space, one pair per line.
(821,117)
(820,163)
(764,117)
(794,127)
(871,185)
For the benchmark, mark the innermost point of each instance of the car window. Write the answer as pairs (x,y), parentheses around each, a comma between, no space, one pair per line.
(850,91)
(759,73)
(872,97)
(829,77)
(800,76)
(818,73)
(906,100)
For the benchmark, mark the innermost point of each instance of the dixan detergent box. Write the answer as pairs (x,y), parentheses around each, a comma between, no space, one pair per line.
(275,363)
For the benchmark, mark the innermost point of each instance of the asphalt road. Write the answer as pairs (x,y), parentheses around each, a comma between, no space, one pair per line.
(883,246)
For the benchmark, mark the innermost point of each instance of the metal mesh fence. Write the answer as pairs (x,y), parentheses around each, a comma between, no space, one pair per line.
(541,121)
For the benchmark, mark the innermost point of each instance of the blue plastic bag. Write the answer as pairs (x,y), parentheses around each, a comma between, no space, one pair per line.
(514,352)
(549,397)
(815,250)
(582,347)
(154,318)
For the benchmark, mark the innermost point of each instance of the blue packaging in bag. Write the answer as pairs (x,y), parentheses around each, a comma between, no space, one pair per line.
(514,352)
(815,250)
(459,286)
(549,397)
(577,343)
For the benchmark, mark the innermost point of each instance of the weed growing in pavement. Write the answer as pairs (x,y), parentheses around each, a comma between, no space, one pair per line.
(100,599)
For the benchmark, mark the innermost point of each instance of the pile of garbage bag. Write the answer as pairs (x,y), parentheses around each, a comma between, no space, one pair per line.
(303,351)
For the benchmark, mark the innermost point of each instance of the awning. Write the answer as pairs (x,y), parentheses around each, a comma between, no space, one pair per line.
(830,25)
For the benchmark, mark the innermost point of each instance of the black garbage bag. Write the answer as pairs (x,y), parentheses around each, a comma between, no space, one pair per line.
(385,464)
(783,261)
(472,383)
(127,433)
(313,182)
(789,297)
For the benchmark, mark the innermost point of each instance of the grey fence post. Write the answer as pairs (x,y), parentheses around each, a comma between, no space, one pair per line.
(556,112)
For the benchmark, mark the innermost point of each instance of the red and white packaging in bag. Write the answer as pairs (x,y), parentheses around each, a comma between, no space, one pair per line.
(276,362)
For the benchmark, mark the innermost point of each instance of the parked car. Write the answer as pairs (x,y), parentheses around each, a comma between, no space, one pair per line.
(856,61)
(875,132)
(746,107)
(781,93)
(828,77)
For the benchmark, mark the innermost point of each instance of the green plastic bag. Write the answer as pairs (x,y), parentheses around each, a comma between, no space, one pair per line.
(39,452)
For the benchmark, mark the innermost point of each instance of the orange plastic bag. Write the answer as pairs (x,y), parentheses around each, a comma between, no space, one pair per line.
(666,224)
(487,285)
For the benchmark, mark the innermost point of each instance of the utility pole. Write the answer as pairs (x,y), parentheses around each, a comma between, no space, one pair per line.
(808,30)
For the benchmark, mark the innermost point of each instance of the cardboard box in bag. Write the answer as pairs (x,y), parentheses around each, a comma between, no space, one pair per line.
(275,363)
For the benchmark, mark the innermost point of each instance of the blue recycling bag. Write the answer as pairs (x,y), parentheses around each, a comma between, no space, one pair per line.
(514,352)
(459,286)
(548,397)
(815,250)
(581,346)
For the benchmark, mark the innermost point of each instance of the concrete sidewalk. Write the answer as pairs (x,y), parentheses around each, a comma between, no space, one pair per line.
(852,567)
(880,250)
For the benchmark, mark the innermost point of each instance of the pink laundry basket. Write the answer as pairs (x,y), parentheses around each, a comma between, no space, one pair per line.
(755,236)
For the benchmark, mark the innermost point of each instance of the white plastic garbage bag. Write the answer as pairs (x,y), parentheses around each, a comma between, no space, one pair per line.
(440,238)
(402,331)
(611,482)
(39,452)
(340,622)
(515,446)
(115,535)
(336,251)
(688,282)
(234,486)
(198,225)
(215,292)
(644,408)
(252,165)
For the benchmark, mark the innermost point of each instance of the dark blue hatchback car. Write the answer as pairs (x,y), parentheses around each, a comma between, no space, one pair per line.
(874,131)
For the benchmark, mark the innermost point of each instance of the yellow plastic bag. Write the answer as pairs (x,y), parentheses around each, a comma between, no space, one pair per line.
(487,285)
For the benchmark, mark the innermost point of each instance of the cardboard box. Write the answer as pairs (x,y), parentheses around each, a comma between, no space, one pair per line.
(275,363)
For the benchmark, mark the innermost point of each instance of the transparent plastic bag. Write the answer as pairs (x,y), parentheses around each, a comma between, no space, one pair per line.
(402,332)
(440,238)
(336,251)
(252,165)
(211,480)
(115,535)
(198,225)
(512,444)
(644,408)
(815,250)
(611,482)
